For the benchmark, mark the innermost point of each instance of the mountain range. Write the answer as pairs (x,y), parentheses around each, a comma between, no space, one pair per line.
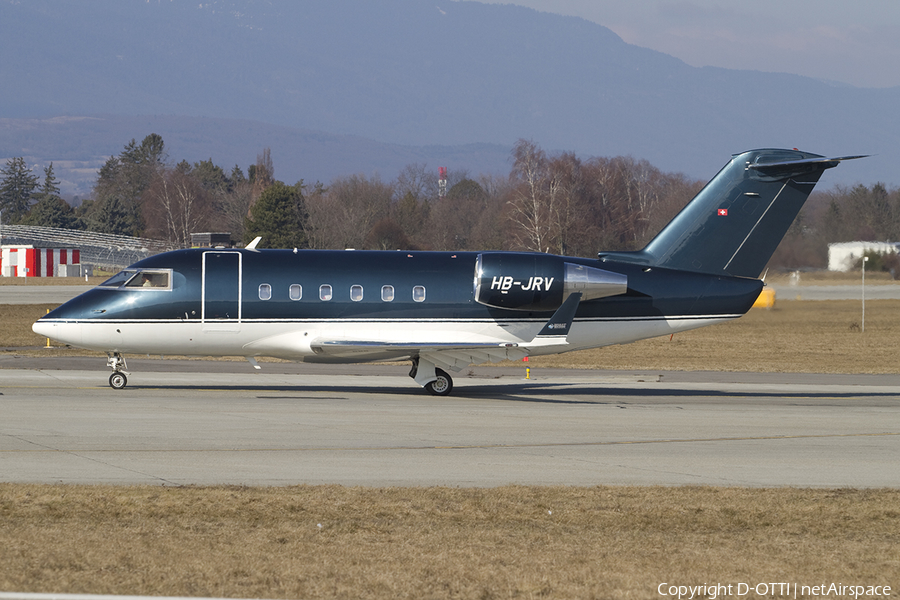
(367,86)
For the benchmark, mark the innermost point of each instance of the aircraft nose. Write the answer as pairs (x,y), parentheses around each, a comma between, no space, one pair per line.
(66,333)
(41,328)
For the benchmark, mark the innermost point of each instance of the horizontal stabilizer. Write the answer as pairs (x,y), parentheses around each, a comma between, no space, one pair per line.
(786,167)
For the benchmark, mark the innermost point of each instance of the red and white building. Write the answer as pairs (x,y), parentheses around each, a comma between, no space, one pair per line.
(27,261)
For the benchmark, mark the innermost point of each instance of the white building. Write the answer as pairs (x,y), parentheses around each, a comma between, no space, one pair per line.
(844,256)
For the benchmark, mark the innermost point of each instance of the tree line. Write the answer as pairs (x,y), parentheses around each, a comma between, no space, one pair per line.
(842,214)
(559,203)
(26,201)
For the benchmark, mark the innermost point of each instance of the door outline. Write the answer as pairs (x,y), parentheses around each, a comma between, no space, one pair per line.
(218,324)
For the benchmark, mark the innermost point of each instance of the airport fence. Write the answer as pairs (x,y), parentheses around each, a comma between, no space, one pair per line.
(98,250)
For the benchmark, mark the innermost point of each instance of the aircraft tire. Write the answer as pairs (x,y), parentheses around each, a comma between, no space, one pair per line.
(117,381)
(442,386)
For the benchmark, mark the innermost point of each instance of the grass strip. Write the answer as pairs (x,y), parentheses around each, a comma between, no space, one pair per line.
(506,542)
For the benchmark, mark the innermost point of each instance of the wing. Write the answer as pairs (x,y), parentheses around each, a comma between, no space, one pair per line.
(456,355)
(451,355)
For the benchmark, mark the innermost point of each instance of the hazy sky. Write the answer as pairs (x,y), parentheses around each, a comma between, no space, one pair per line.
(855,42)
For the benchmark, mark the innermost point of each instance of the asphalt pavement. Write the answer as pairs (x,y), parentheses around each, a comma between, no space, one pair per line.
(203,422)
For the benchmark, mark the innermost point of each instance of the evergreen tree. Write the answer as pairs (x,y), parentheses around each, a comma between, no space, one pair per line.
(237,176)
(112,215)
(51,184)
(17,190)
(121,185)
(52,211)
(184,168)
(279,216)
(211,177)
(151,152)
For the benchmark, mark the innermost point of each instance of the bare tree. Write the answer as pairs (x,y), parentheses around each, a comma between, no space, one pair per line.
(344,215)
(568,215)
(261,175)
(264,171)
(233,208)
(175,206)
(416,180)
(531,200)
(386,234)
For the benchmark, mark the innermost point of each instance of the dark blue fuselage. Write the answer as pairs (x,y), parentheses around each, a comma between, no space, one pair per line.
(229,288)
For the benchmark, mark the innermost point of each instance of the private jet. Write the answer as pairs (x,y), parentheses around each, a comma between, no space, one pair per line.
(444,311)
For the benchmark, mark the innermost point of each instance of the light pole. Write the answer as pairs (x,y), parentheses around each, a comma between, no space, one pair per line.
(864,261)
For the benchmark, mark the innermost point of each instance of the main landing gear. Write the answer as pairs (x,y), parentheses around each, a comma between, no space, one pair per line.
(118,379)
(436,381)
(442,386)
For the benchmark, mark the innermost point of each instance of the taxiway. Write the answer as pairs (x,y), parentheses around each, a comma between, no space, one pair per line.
(205,422)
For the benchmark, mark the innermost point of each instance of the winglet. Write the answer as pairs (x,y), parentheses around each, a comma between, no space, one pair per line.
(252,245)
(557,328)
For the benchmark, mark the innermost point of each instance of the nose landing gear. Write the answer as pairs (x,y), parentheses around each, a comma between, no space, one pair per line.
(118,379)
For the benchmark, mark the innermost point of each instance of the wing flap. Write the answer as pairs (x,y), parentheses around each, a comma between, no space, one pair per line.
(331,346)
(448,355)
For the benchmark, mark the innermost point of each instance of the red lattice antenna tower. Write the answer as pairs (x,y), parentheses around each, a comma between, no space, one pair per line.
(442,182)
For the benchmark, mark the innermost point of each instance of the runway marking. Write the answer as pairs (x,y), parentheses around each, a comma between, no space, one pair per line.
(470,446)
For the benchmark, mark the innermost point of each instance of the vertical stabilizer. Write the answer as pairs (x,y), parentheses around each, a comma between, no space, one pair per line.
(738,219)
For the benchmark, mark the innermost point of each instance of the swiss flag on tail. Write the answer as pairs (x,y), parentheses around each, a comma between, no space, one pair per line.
(723,212)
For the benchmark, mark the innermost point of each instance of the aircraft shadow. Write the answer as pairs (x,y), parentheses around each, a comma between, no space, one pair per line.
(548,393)
(562,393)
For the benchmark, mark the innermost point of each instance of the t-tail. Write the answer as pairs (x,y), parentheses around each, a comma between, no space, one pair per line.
(734,224)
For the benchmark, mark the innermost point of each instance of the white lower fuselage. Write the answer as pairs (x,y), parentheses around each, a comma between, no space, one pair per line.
(295,340)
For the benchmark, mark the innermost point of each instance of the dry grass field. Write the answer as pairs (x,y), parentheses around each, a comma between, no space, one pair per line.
(508,542)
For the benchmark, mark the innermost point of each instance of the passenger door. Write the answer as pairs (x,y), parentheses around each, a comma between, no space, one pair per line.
(221,291)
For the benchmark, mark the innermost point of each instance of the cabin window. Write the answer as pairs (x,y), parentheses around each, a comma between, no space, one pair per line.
(324,292)
(387,293)
(356,293)
(419,293)
(296,291)
(265,291)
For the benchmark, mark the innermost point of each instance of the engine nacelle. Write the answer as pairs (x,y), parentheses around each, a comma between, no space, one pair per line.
(539,282)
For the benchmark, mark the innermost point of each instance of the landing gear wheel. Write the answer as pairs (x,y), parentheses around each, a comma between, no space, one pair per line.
(117,381)
(441,386)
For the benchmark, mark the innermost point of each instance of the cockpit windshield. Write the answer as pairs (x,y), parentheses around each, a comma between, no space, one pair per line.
(158,279)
